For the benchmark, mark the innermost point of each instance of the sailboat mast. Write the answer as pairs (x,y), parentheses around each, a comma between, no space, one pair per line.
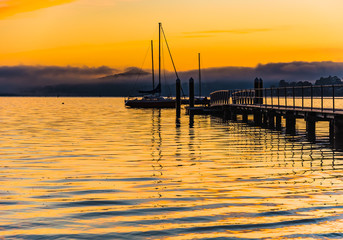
(199,75)
(152,65)
(159,54)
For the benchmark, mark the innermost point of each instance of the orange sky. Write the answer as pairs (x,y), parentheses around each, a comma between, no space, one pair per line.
(117,33)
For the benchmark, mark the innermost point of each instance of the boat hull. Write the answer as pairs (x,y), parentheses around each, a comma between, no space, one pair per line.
(150,104)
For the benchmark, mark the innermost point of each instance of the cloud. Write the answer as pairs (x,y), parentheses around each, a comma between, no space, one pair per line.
(297,71)
(11,7)
(16,78)
(103,3)
(131,72)
(86,81)
(209,33)
(235,31)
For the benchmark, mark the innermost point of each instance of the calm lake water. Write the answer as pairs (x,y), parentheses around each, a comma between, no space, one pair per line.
(92,169)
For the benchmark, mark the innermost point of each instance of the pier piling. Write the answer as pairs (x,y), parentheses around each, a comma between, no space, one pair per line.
(278,122)
(269,105)
(191,92)
(338,128)
(271,120)
(245,117)
(257,118)
(290,123)
(311,128)
(332,131)
(178,98)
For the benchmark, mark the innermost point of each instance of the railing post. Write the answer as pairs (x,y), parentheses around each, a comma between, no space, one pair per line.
(278,97)
(286,97)
(322,96)
(250,97)
(311,97)
(293,88)
(261,90)
(302,96)
(271,97)
(333,98)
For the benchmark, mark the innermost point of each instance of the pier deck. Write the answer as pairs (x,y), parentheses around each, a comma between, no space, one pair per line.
(269,105)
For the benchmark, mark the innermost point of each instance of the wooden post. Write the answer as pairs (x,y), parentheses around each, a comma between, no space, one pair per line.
(338,133)
(311,128)
(191,92)
(233,116)
(191,120)
(227,114)
(257,118)
(256,86)
(290,123)
(271,121)
(245,117)
(265,120)
(261,90)
(278,124)
(178,98)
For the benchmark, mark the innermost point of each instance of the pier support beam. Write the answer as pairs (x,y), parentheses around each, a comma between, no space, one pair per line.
(245,117)
(257,118)
(271,121)
(227,114)
(278,121)
(338,134)
(311,128)
(265,120)
(233,116)
(290,123)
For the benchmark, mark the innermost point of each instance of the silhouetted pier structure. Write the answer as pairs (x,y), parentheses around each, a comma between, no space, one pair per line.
(269,105)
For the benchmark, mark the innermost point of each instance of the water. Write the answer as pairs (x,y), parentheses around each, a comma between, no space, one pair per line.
(92,169)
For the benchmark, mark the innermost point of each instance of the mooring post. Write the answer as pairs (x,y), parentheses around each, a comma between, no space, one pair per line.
(278,124)
(338,134)
(178,98)
(311,128)
(256,86)
(191,92)
(261,90)
(290,123)
(191,120)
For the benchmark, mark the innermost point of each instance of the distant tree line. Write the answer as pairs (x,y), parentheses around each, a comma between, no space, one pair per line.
(330,80)
(317,90)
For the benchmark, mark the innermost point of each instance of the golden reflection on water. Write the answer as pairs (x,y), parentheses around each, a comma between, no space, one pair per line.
(92,169)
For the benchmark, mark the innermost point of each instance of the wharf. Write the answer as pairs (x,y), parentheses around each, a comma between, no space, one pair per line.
(269,105)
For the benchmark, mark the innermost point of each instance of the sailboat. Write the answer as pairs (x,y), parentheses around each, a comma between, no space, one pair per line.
(153,98)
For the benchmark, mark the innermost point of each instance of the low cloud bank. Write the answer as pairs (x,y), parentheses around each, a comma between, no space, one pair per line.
(19,79)
(106,81)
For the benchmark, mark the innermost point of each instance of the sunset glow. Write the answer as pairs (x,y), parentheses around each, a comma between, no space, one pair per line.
(116,33)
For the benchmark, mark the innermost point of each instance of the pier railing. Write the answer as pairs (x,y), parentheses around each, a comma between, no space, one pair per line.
(312,97)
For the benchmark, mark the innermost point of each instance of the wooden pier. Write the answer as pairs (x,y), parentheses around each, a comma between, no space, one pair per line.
(269,105)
